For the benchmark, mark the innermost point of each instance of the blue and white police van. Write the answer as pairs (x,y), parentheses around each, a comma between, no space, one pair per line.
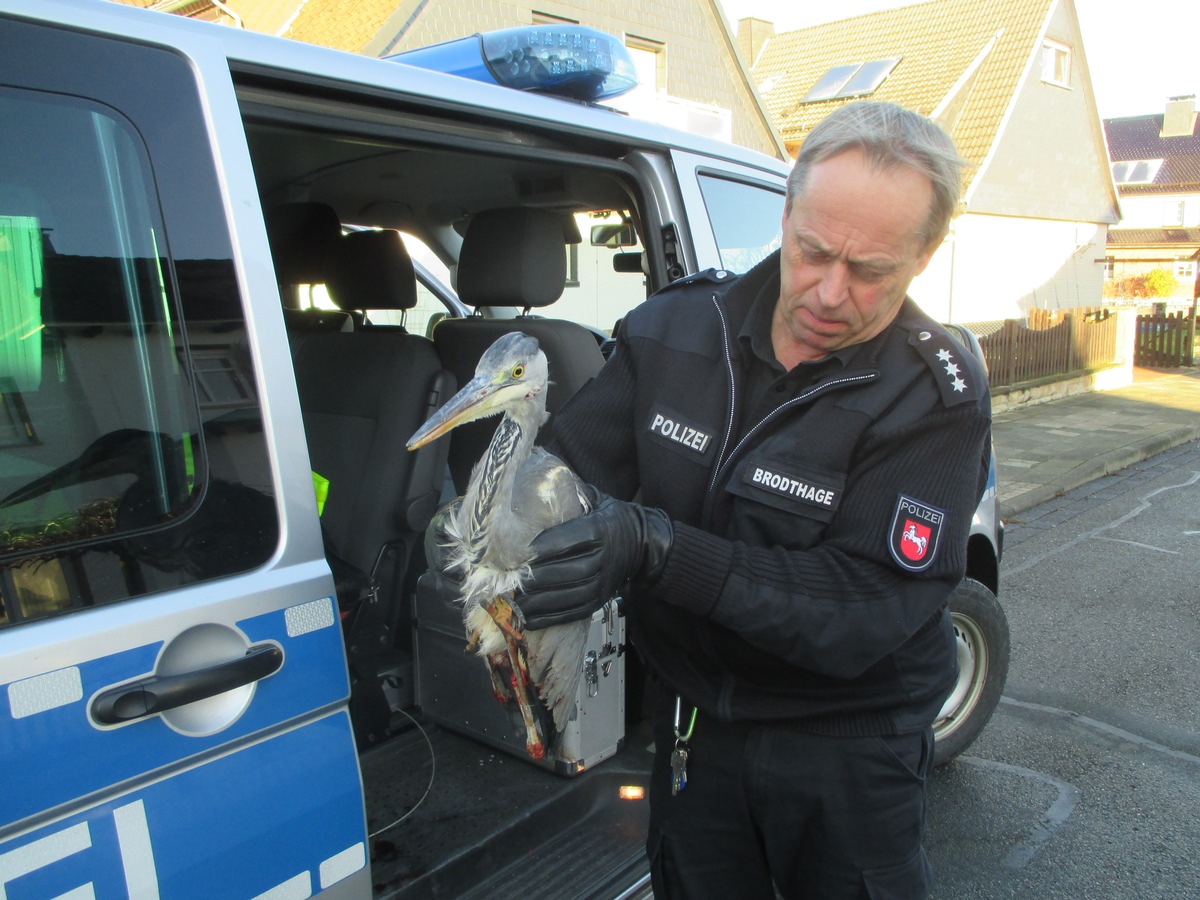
(227,262)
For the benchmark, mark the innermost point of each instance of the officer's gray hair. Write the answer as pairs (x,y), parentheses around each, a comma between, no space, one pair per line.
(889,135)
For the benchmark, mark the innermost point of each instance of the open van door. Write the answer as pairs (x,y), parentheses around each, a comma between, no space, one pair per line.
(172,678)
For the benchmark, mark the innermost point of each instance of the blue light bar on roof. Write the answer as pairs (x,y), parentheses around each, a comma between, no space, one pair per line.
(567,60)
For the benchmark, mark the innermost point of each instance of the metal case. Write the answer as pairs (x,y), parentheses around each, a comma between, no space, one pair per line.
(454,690)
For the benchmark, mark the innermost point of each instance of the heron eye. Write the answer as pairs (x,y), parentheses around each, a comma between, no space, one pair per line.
(518,372)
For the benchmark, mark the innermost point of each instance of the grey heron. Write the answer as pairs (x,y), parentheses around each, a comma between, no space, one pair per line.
(515,491)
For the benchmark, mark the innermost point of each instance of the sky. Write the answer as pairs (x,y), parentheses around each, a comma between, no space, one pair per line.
(1138,54)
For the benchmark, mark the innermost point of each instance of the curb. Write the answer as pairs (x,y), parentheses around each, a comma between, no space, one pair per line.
(1105,464)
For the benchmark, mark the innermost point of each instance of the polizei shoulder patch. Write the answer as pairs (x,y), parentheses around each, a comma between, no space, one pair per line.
(915,533)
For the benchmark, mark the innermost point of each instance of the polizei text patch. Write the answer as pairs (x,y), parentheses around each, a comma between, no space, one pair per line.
(675,430)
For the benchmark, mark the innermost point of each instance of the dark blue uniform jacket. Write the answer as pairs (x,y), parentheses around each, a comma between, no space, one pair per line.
(815,549)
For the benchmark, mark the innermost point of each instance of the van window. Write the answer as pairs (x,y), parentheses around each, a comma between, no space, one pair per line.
(432,303)
(605,279)
(746,220)
(113,408)
(430,307)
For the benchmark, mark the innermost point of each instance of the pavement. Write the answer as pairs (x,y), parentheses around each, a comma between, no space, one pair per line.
(1045,449)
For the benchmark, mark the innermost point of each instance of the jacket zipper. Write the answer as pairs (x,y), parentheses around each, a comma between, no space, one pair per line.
(732,397)
(723,460)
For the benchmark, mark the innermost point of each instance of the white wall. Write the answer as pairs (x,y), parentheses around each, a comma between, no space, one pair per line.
(997,267)
(1148,211)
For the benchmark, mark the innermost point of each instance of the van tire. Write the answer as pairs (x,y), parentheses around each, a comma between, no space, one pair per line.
(982,640)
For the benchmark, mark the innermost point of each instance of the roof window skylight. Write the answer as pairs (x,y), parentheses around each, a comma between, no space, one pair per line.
(856,80)
(1136,171)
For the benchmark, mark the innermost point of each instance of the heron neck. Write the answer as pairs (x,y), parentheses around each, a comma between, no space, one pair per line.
(493,483)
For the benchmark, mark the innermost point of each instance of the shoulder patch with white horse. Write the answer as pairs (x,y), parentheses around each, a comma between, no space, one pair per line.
(915,532)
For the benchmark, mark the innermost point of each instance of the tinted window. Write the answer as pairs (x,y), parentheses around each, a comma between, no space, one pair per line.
(131,451)
(745,220)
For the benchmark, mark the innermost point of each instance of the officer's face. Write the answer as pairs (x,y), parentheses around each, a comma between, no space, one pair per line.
(851,247)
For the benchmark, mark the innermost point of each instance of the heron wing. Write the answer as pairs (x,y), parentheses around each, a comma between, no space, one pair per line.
(546,492)
(556,665)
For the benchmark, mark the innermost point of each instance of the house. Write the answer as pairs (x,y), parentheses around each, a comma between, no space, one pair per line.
(1156,167)
(1010,82)
(690,74)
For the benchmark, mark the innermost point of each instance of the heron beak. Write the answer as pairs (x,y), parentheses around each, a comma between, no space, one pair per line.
(41,486)
(78,471)
(480,397)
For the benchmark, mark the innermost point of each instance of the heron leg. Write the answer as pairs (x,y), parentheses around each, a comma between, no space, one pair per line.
(489,642)
(502,614)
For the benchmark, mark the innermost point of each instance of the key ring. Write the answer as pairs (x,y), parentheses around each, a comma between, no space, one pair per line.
(680,736)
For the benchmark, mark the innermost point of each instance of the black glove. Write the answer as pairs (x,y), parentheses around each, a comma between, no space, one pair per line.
(579,565)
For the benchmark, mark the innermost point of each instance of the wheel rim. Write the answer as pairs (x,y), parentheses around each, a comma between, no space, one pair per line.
(972,675)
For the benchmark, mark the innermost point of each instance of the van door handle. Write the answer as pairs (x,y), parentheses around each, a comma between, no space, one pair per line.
(155,694)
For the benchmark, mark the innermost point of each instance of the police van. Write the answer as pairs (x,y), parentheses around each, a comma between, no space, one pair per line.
(236,274)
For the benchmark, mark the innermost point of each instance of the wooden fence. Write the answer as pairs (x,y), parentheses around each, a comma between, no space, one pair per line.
(1164,341)
(1053,342)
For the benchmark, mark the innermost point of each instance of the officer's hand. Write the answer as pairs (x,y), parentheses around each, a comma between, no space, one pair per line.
(580,564)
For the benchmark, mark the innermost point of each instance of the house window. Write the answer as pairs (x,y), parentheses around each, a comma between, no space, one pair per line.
(650,63)
(1173,214)
(1136,171)
(1185,270)
(856,80)
(1109,265)
(1056,63)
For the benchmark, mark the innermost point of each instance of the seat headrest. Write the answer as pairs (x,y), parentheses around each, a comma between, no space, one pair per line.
(372,270)
(512,257)
(302,237)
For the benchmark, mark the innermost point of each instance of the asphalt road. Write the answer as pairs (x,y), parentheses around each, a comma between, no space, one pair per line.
(1086,783)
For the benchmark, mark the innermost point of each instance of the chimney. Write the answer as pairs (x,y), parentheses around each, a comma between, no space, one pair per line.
(751,35)
(1180,117)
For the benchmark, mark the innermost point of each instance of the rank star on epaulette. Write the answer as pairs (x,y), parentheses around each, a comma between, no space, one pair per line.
(952,370)
(947,365)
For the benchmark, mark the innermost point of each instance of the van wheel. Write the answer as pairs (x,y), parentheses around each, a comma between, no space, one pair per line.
(981,635)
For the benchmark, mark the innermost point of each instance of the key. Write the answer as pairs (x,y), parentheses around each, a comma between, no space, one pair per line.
(679,757)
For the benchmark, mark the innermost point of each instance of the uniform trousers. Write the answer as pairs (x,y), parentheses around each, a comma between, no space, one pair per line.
(770,807)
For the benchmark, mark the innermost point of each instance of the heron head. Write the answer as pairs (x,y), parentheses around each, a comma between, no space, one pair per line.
(511,378)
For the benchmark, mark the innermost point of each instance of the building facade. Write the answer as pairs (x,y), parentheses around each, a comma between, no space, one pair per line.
(1156,167)
(1010,83)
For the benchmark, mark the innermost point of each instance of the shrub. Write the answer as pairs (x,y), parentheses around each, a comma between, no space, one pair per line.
(1161,283)
(1128,286)
(1155,283)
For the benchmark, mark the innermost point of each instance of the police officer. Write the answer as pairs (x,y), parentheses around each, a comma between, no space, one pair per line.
(806,448)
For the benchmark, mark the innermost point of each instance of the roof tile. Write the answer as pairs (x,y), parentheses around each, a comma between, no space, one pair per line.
(938,42)
(329,25)
(1137,137)
(1150,237)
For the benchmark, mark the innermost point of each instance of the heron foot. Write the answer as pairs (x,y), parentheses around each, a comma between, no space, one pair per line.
(504,614)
